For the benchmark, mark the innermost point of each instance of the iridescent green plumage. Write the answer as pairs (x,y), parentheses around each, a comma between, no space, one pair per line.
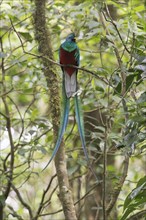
(69,55)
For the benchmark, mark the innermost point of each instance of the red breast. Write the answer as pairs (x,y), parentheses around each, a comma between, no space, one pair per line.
(68,58)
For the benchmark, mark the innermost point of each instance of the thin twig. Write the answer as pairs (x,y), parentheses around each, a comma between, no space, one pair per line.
(8,126)
(115,26)
(117,190)
(14,213)
(104,176)
(43,197)
(83,197)
(22,201)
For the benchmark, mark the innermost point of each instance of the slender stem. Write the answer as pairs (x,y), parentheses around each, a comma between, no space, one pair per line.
(8,126)
(43,197)
(116,192)
(104,180)
(21,199)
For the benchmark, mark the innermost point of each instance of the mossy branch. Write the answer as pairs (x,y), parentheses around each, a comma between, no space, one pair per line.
(42,36)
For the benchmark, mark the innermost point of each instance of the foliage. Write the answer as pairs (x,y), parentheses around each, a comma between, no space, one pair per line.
(111,37)
(136,199)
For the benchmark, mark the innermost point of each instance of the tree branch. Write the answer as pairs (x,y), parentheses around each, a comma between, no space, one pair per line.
(14,213)
(117,189)
(42,35)
(22,201)
(43,197)
(9,173)
(115,26)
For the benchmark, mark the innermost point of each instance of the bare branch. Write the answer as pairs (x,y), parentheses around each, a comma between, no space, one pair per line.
(117,190)
(22,201)
(14,213)
(115,26)
(8,126)
(43,197)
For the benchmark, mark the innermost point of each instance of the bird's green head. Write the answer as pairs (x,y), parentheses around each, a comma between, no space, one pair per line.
(71,38)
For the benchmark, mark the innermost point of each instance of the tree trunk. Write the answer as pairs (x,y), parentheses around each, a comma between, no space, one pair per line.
(1,211)
(43,37)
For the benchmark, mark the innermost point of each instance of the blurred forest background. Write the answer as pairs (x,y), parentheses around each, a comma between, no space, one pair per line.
(112,83)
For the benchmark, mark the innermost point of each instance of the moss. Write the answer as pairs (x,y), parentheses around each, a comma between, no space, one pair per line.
(42,36)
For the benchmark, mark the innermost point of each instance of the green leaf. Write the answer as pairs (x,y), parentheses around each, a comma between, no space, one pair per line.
(2,55)
(131,137)
(93,24)
(142,98)
(129,81)
(128,211)
(23,151)
(42,149)
(135,198)
(141,181)
(26,36)
(2,200)
(136,191)
(72,170)
(143,148)
(140,185)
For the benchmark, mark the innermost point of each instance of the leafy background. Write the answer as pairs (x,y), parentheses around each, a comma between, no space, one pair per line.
(111,38)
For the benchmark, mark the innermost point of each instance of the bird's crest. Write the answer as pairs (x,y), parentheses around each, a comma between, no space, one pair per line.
(71,37)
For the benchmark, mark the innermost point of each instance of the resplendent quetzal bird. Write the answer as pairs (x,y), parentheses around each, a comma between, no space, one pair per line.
(69,56)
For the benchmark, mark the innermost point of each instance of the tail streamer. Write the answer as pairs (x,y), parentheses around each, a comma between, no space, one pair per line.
(79,119)
(66,107)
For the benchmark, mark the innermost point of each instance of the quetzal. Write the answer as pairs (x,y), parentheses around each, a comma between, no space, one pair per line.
(69,55)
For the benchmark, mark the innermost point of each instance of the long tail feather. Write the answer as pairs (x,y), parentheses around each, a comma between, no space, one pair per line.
(79,119)
(80,126)
(66,106)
